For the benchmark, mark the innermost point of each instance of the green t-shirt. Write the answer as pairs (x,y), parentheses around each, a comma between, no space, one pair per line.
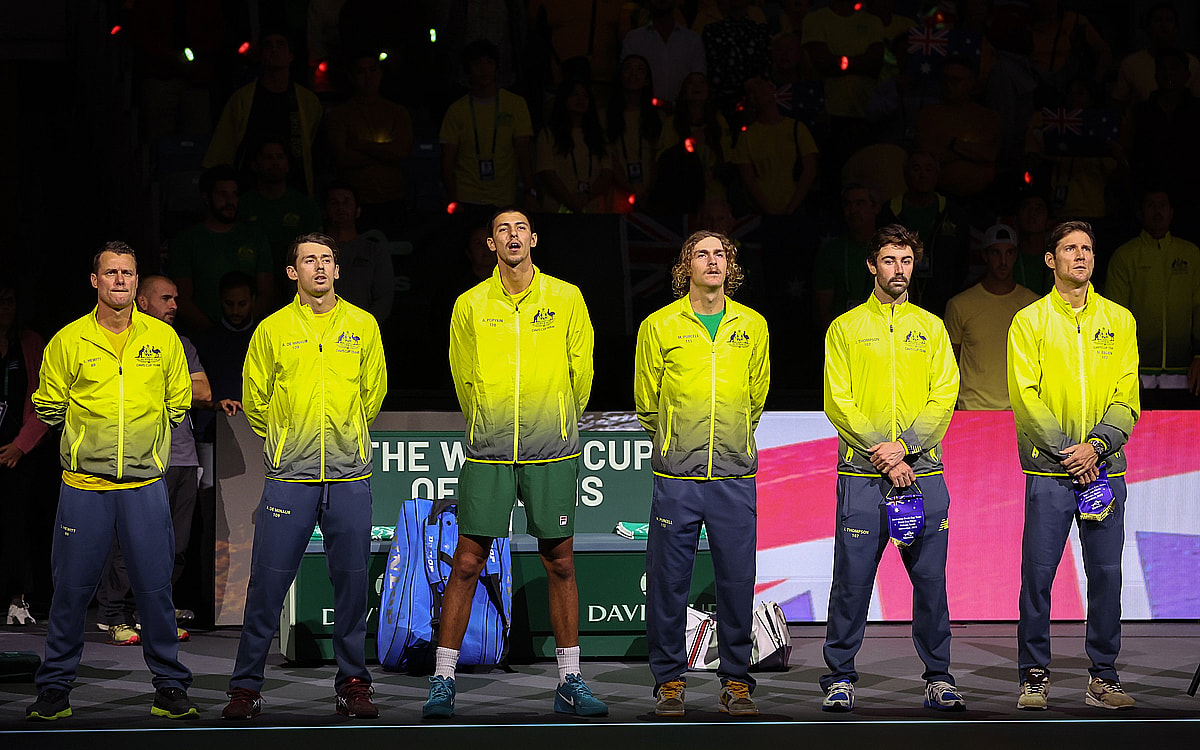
(281,220)
(205,256)
(711,322)
(841,267)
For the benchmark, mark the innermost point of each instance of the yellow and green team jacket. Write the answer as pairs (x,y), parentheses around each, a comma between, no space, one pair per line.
(313,396)
(1159,282)
(890,375)
(1072,376)
(522,369)
(116,413)
(701,397)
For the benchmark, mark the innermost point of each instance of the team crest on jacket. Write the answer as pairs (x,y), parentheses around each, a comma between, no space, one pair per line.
(739,339)
(543,319)
(1103,341)
(149,356)
(347,343)
(915,341)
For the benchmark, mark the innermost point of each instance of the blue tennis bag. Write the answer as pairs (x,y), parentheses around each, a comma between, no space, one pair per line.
(418,569)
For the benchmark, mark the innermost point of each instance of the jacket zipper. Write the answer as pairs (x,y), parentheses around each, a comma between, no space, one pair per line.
(517,385)
(892,364)
(712,398)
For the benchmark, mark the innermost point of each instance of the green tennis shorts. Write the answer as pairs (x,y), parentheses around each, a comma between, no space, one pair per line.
(487,493)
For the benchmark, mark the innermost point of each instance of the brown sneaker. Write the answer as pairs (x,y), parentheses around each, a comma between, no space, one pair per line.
(735,699)
(1035,688)
(668,699)
(244,703)
(354,699)
(1103,693)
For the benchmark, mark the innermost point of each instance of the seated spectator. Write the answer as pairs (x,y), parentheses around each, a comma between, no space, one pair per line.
(589,30)
(944,230)
(175,91)
(736,50)
(846,47)
(501,22)
(20,432)
(1077,182)
(1059,37)
(370,138)
(790,67)
(223,348)
(364,263)
(697,120)
(1156,276)
(776,156)
(633,129)
(279,211)
(978,319)
(1033,223)
(1135,76)
(711,11)
(716,215)
(272,108)
(201,254)
(485,138)
(1159,135)
(573,165)
(895,35)
(671,50)
(840,277)
(963,136)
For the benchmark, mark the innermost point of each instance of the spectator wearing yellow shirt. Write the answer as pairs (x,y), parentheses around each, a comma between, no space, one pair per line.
(776,156)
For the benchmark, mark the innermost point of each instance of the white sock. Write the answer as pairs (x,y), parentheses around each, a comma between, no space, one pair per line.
(568,662)
(447,661)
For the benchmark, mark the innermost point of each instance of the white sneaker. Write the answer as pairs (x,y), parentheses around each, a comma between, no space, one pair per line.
(839,697)
(18,614)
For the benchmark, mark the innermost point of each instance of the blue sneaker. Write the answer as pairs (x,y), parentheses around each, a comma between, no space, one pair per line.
(441,698)
(943,696)
(575,697)
(839,697)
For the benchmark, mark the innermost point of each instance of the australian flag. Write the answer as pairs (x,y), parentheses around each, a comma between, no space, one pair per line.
(803,101)
(929,47)
(1079,132)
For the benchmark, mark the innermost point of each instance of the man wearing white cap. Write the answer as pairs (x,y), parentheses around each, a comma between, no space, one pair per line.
(978,319)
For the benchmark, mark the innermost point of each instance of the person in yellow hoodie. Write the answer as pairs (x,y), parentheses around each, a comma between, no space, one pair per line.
(701,373)
(116,381)
(521,358)
(1073,384)
(890,387)
(313,381)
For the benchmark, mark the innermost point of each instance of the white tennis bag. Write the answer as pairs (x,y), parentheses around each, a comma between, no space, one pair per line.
(771,648)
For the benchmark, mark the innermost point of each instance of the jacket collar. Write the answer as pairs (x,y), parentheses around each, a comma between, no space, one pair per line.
(683,306)
(1145,237)
(1060,304)
(496,286)
(879,308)
(92,333)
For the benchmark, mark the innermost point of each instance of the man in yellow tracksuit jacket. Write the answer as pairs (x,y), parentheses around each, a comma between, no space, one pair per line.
(521,358)
(1073,384)
(117,382)
(313,381)
(701,374)
(890,387)
(1156,276)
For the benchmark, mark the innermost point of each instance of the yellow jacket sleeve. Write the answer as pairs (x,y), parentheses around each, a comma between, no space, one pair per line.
(647,377)
(50,398)
(462,355)
(760,377)
(179,386)
(374,379)
(258,380)
(845,415)
(581,342)
(1124,406)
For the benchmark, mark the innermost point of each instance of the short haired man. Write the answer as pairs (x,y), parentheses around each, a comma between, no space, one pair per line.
(521,358)
(890,387)
(202,253)
(1156,276)
(977,321)
(156,296)
(1073,384)
(367,276)
(701,374)
(117,382)
(313,382)
(839,280)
